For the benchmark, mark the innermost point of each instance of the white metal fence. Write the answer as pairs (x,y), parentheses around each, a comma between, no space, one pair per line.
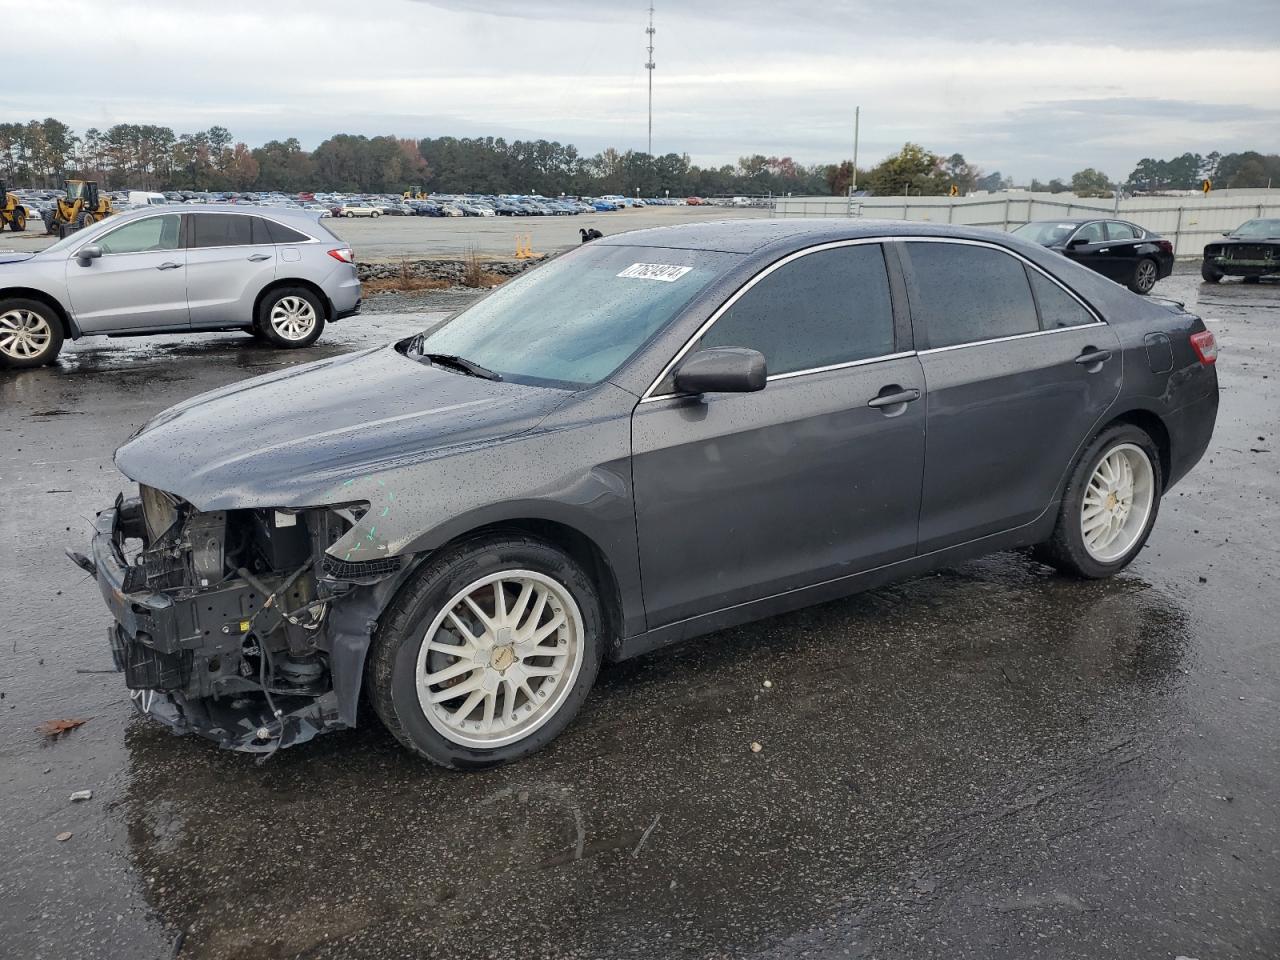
(1190,222)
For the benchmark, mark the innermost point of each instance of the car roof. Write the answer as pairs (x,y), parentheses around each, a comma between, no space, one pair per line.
(755,236)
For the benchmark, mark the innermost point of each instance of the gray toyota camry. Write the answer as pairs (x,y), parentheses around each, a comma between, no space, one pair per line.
(655,436)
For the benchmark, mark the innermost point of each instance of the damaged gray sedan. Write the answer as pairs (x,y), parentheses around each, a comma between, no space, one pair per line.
(655,436)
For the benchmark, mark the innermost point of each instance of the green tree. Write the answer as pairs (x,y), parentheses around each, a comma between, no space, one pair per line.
(1090,183)
(913,169)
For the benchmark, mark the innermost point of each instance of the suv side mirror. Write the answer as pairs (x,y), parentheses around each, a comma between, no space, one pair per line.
(722,370)
(88,253)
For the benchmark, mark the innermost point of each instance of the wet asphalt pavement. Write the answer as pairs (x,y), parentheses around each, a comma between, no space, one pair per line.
(989,762)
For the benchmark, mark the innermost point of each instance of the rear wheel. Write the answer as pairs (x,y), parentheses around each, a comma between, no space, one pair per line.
(1145,274)
(1109,506)
(19,220)
(290,317)
(30,334)
(375,215)
(487,653)
(1209,273)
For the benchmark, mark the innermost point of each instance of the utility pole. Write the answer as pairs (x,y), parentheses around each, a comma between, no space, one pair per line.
(649,65)
(853,179)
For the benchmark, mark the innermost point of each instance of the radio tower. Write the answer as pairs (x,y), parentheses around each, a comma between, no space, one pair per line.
(649,65)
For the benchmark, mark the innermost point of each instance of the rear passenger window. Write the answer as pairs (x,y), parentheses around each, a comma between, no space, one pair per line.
(821,309)
(221,230)
(1057,307)
(963,294)
(283,234)
(1120,231)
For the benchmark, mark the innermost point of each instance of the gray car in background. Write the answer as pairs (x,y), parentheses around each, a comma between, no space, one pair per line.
(277,274)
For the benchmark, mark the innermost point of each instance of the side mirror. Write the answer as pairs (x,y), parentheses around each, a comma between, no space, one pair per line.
(1226,233)
(722,370)
(1078,242)
(88,253)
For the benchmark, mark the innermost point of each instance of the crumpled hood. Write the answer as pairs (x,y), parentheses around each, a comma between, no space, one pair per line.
(300,437)
(14,256)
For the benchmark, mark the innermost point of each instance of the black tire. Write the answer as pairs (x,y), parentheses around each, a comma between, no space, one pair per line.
(52,346)
(348,214)
(1065,550)
(375,215)
(1252,279)
(264,328)
(1209,274)
(391,667)
(47,217)
(84,220)
(1145,274)
(19,222)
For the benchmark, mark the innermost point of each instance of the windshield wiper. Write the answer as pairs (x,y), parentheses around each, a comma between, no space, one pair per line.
(462,364)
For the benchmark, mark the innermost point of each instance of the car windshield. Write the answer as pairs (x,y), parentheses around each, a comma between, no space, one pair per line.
(1268,229)
(575,320)
(1045,232)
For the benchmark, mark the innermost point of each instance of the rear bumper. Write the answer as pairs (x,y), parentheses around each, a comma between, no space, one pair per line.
(1190,432)
(343,314)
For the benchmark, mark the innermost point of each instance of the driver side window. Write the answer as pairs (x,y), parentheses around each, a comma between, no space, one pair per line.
(153,233)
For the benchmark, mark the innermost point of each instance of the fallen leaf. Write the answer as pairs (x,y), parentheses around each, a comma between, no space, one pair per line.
(756,747)
(63,837)
(55,728)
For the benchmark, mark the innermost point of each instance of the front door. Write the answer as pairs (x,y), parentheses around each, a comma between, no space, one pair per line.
(138,284)
(742,496)
(230,259)
(1019,374)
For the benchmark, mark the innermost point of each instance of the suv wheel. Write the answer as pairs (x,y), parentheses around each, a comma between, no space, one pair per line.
(1209,274)
(290,317)
(30,334)
(1109,507)
(487,653)
(1145,274)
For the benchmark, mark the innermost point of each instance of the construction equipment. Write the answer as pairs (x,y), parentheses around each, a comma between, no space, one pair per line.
(12,212)
(82,206)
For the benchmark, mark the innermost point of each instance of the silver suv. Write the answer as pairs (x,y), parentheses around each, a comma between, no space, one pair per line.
(278,274)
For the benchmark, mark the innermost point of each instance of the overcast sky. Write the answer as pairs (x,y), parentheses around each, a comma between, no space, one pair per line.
(1027,87)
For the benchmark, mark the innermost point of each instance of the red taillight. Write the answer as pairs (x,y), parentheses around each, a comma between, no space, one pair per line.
(344,254)
(1205,346)
(1165,245)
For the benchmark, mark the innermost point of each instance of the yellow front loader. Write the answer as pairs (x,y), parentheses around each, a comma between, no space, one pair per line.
(12,213)
(82,206)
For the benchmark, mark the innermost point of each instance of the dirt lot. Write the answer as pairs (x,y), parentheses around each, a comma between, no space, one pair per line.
(991,762)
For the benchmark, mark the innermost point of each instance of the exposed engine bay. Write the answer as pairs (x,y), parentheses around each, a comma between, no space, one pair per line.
(237,624)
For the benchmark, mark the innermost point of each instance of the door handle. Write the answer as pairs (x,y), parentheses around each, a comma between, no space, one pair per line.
(893,399)
(168,265)
(1091,357)
(259,257)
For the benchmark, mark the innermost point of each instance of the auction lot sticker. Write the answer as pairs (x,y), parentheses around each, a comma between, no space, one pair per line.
(655,271)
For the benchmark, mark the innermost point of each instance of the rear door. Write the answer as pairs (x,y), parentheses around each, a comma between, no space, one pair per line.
(1120,254)
(138,284)
(1019,372)
(230,258)
(741,496)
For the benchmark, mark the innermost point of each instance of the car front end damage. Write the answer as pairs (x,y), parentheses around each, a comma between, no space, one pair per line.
(238,625)
(1243,258)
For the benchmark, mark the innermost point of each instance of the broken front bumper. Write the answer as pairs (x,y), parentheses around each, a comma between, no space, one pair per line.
(183,652)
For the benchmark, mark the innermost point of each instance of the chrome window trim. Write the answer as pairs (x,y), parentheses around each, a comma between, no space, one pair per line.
(649,395)
(1014,336)
(738,294)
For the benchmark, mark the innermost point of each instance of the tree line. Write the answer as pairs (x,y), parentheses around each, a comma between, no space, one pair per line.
(42,153)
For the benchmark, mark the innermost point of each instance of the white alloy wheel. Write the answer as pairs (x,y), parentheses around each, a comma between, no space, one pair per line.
(24,334)
(500,658)
(293,318)
(1117,502)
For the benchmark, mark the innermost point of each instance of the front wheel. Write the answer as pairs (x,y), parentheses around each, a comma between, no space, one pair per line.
(1209,273)
(290,317)
(375,215)
(30,334)
(1145,274)
(487,653)
(19,221)
(1109,506)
